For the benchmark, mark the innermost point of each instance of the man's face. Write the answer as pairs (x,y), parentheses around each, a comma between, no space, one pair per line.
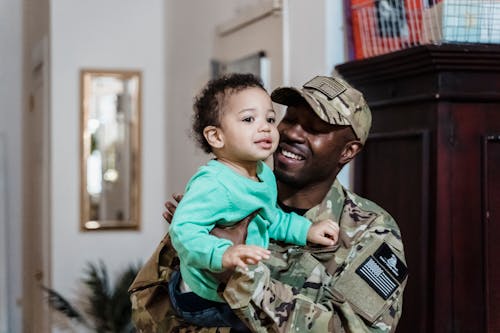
(309,149)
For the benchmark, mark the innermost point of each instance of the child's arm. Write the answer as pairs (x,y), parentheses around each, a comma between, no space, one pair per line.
(196,215)
(325,233)
(295,229)
(202,206)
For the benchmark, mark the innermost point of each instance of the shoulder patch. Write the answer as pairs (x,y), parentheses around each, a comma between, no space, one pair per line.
(391,262)
(383,271)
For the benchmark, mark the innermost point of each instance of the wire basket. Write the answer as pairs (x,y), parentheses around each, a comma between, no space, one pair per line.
(383,26)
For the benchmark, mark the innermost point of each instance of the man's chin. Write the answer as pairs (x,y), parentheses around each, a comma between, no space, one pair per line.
(288,178)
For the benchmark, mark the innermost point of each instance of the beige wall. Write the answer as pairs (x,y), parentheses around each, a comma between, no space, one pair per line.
(10,169)
(295,39)
(111,34)
(248,34)
(190,47)
(173,42)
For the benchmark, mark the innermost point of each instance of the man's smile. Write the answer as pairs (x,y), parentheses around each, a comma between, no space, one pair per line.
(291,152)
(291,155)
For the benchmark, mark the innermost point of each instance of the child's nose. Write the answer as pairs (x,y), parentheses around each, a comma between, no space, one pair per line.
(265,126)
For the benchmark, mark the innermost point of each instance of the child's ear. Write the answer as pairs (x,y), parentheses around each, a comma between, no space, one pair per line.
(214,136)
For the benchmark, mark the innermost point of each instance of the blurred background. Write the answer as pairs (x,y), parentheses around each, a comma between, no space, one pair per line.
(44,46)
(436,60)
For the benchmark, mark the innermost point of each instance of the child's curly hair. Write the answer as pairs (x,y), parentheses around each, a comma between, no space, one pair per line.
(208,104)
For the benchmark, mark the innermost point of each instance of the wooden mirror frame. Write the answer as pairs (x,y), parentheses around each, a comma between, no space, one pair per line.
(110,142)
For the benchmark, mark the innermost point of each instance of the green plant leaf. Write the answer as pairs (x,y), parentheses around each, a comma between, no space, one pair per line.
(58,303)
(99,296)
(120,300)
(107,308)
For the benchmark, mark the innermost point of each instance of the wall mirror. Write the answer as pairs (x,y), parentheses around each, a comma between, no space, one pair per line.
(110,149)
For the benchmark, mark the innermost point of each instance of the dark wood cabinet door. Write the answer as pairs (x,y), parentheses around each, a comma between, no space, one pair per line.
(432,161)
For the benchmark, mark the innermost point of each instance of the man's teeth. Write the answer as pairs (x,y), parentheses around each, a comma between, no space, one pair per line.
(291,155)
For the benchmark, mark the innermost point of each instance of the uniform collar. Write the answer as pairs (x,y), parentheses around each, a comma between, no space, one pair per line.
(332,205)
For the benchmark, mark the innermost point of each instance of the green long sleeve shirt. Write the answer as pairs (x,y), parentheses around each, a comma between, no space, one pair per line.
(217,195)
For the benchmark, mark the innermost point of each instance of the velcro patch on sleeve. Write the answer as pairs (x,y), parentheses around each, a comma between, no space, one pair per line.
(372,277)
(373,274)
(390,261)
(383,271)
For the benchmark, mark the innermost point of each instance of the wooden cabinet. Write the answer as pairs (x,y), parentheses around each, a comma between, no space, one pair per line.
(433,161)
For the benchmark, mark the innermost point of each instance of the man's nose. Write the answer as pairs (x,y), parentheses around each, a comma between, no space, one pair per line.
(292,131)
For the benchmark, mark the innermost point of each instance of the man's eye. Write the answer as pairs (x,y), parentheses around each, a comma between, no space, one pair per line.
(287,120)
(248,119)
(271,120)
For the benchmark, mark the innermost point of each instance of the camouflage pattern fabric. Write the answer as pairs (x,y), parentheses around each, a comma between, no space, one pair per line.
(299,289)
(316,289)
(152,311)
(334,100)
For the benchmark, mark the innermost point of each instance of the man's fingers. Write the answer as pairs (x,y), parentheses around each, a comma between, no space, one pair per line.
(171,207)
(177,197)
(167,216)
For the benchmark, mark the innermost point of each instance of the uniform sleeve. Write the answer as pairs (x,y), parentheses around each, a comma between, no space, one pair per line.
(289,227)
(204,203)
(314,304)
(381,239)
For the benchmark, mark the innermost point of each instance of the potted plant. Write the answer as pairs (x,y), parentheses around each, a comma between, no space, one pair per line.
(105,308)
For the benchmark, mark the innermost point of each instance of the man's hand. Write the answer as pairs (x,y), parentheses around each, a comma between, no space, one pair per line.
(325,233)
(241,255)
(170,207)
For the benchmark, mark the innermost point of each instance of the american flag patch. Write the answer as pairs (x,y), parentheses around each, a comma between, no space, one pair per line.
(373,273)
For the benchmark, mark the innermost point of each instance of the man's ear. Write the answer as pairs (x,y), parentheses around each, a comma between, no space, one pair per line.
(214,136)
(351,149)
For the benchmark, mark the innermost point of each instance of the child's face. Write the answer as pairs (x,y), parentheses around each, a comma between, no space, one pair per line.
(248,126)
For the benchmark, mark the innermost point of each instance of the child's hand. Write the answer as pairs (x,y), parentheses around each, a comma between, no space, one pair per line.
(325,233)
(241,255)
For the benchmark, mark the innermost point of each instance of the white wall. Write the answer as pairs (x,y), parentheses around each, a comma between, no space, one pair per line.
(314,44)
(10,131)
(172,42)
(190,46)
(315,38)
(241,39)
(120,34)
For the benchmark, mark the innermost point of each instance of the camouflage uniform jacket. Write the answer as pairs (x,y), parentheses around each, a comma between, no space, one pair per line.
(355,286)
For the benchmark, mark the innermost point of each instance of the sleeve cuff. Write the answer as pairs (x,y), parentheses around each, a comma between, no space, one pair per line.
(216,262)
(303,229)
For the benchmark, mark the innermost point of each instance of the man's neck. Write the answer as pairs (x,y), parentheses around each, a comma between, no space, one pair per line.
(303,198)
(288,209)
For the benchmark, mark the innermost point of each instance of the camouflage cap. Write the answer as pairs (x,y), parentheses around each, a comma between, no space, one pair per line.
(333,100)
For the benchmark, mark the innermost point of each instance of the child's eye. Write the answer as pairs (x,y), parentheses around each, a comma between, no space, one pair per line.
(271,120)
(248,119)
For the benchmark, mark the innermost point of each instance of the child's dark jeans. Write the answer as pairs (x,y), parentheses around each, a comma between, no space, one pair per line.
(200,311)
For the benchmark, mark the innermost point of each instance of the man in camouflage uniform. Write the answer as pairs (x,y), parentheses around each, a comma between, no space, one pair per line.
(355,286)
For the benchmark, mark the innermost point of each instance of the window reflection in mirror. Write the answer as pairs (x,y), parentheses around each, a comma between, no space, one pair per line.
(110,149)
